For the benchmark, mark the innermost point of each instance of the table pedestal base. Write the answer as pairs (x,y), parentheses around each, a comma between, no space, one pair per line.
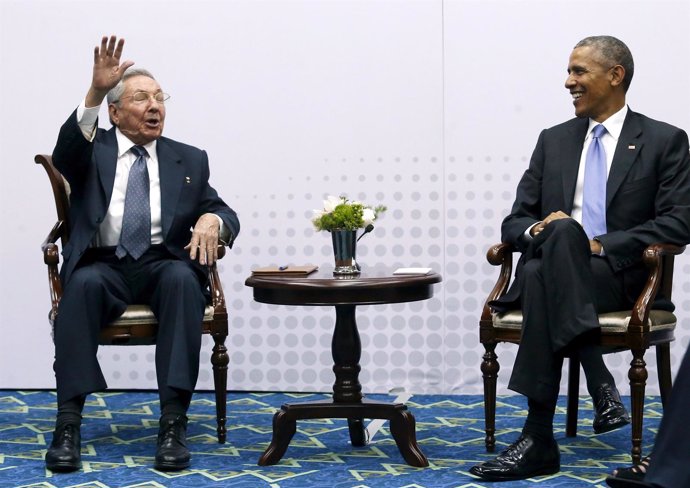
(402,426)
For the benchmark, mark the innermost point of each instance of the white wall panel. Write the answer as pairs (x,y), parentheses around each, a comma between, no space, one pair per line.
(430,107)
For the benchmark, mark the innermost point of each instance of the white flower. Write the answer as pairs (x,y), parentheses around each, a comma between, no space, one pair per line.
(330,203)
(368,215)
(350,215)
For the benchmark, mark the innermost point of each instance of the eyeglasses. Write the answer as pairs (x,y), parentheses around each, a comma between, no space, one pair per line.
(142,96)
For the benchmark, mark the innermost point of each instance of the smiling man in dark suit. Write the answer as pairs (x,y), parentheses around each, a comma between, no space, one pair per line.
(598,190)
(135,195)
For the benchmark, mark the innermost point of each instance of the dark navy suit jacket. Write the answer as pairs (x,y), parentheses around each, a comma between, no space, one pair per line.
(89,167)
(647,193)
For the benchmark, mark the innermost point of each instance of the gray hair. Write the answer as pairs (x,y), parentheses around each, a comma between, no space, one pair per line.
(613,51)
(116,92)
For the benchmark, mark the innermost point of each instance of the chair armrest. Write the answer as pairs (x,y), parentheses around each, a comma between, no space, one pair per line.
(499,255)
(215,286)
(659,260)
(51,256)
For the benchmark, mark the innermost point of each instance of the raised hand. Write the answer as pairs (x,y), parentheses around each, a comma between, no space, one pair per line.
(107,70)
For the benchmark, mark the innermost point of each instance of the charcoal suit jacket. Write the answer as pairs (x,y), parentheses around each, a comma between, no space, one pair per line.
(647,194)
(89,167)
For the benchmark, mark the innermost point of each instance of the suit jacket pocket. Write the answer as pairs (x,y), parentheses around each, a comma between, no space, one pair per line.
(643,185)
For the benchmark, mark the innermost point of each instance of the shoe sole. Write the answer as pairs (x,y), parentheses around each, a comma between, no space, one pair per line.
(541,472)
(171,466)
(611,427)
(63,467)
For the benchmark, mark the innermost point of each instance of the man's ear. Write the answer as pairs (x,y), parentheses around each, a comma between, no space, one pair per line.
(112,113)
(617,75)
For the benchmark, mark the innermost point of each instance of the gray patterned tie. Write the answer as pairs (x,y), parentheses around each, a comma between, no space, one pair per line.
(135,237)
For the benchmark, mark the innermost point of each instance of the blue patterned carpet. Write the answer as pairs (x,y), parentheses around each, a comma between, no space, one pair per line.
(119,435)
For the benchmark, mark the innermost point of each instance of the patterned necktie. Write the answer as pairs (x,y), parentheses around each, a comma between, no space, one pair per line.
(594,196)
(135,237)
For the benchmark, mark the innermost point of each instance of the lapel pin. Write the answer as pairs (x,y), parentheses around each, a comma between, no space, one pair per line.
(187,180)
(631,146)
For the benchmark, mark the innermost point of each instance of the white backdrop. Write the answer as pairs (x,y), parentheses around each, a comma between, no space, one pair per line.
(430,107)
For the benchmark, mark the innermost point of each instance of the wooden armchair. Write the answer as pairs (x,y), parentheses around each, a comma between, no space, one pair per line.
(137,325)
(635,330)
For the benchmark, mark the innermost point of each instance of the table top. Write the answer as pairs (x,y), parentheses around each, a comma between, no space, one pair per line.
(375,285)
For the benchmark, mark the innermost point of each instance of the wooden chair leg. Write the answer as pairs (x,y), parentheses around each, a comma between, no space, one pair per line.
(638,380)
(220,360)
(663,367)
(573,396)
(490,368)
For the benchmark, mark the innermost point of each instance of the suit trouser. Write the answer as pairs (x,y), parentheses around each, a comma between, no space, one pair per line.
(670,467)
(99,291)
(562,289)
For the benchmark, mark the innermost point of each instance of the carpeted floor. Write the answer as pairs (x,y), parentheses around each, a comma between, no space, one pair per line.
(119,435)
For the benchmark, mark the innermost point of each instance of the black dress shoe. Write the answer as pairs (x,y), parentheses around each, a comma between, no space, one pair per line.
(64,453)
(172,453)
(609,412)
(525,458)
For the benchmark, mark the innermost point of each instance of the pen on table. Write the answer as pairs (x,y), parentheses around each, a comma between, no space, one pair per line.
(282,268)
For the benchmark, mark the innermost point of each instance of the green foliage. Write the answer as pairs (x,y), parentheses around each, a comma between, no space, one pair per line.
(346,216)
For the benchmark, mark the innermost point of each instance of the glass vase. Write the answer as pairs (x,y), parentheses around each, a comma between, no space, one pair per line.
(345,249)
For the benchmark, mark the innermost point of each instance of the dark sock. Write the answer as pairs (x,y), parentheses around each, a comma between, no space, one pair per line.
(596,371)
(539,421)
(175,404)
(69,412)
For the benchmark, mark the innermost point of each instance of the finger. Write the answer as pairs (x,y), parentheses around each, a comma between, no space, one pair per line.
(193,246)
(104,46)
(111,46)
(125,66)
(95,55)
(118,49)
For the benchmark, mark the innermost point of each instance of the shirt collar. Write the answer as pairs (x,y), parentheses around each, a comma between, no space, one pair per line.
(614,124)
(124,144)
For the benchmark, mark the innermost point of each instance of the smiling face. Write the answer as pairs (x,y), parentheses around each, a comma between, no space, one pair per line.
(142,122)
(596,88)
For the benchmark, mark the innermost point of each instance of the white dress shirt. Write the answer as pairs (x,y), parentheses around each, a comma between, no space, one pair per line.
(109,230)
(614,126)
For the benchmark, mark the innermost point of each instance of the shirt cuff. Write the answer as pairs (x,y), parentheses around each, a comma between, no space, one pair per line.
(86,119)
(527,235)
(223,232)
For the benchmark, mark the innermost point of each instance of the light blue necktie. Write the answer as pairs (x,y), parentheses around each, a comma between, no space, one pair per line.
(135,237)
(594,195)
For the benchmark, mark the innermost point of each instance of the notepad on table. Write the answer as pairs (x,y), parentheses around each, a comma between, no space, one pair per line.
(412,271)
(289,270)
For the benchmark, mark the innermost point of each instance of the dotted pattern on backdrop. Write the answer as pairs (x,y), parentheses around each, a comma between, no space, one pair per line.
(439,216)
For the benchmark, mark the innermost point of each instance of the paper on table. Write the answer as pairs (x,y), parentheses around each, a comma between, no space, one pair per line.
(286,270)
(414,271)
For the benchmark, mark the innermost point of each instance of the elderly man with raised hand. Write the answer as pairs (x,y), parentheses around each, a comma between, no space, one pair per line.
(135,195)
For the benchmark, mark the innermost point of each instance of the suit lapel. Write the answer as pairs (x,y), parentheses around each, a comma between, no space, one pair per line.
(105,157)
(627,149)
(171,173)
(570,152)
